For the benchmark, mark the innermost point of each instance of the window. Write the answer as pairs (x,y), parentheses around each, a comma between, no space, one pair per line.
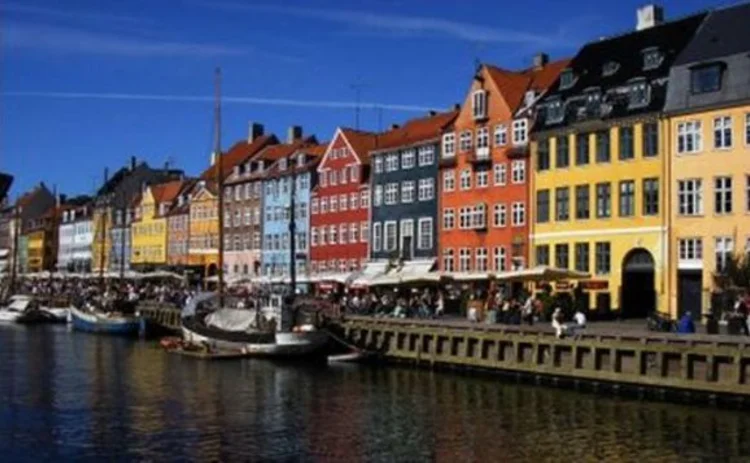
(499,259)
(499,215)
(364,199)
(333,177)
(390,236)
(562,204)
(449,218)
(650,139)
(602,258)
(424,239)
(313,236)
(247,216)
(332,234)
(690,249)
(377,200)
(723,195)
(724,248)
(723,132)
(323,236)
(334,203)
(391,193)
(354,201)
(652,58)
(747,129)
(520,132)
(480,256)
(566,79)
(465,140)
(483,139)
(582,202)
(562,152)
(407,191)
(542,254)
(449,145)
(561,256)
(650,196)
(483,178)
(542,161)
(364,232)
(555,112)
(479,104)
(690,196)
(582,257)
(449,180)
(391,162)
(407,159)
(626,143)
(705,79)
(426,155)
(323,179)
(518,171)
(378,164)
(448,260)
(689,139)
(314,206)
(464,260)
(639,95)
(353,173)
(582,149)
(353,233)
(501,135)
(343,230)
(500,174)
(343,202)
(542,206)
(518,214)
(426,189)
(465,179)
(377,237)
(627,198)
(464,218)
(603,200)
(479,217)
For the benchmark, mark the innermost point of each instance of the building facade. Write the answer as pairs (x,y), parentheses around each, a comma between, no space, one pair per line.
(7,239)
(404,190)
(203,247)
(343,172)
(149,228)
(484,175)
(708,105)
(178,229)
(42,241)
(76,235)
(600,158)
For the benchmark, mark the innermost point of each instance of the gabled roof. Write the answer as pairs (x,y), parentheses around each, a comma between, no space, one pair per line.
(415,131)
(314,151)
(29,196)
(237,154)
(273,153)
(166,192)
(361,142)
(513,85)
(725,32)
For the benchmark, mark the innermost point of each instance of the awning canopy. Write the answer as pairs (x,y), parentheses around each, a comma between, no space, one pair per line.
(542,273)
(411,272)
(4,253)
(469,276)
(342,277)
(372,271)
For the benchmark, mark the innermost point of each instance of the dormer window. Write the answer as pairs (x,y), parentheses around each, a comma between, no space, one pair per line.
(639,95)
(520,132)
(236,170)
(610,68)
(705,79)
(593,95)
(261,166)
(567,79)
(555,113)
(652,58)
(65,216)
(479,104)
(300,160)
(282,164)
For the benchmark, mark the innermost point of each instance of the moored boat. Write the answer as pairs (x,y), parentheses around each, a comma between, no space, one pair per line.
(17,305)
(95,321)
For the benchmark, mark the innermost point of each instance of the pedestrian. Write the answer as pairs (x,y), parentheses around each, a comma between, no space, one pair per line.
(686,325)
(557,323)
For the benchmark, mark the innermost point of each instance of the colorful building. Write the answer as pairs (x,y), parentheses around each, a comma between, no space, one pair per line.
(74,253)
(203,248)
(178,229)
(149,227)
(708,105)
(404,176)
(343,172)
(600,166)
(484,175)
(42,240)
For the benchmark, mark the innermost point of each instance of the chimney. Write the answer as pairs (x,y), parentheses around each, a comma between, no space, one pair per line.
(132,162)
(394,126)
(294,133)
(649,16)
(457,106)
(106,175)
(256,130)
(540,60)
(432,113)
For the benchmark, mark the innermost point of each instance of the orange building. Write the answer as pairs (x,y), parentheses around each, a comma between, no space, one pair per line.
(484,175)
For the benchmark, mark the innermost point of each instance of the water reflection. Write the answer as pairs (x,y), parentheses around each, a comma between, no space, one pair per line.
(69,395)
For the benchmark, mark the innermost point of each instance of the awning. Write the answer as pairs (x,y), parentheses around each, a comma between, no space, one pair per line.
(412,271)
(4,253)
(543,273)
(342,277)
(371,271)
(469,276)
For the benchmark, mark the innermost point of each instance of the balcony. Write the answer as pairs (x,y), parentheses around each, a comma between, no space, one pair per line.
(448,161)
(481,156)
(518,152)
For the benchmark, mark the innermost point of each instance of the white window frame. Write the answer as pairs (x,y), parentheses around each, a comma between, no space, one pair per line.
(690,192)
(723,132)
(391,225)
(408,159)
(482,178)
(377,237)
(391,162)
(315,206)
(723,251)
(479,104)
(518,171)
(520,132)
(501,135)
(379,164)
(465,140)
(343,233)
(690,251)
(449,180)
(465,179)
(390,195)
(377,199)
(426,189)
(481,259)
(333,234)
(500,215)
(449,145)
(313,236)
(500,259)
(343,202)
(723,197)
(689,137)
(449,260)
(426,155)
(353,233)
(518,214)
(449,218)
(425,242)
(364,232)
(500,174)
(483,139)
(334,203)
(464,260)
(407,191)
(364,199)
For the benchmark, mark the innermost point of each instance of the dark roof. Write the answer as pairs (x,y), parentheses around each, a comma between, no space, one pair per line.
(725,32)
(670,38)
(6,181)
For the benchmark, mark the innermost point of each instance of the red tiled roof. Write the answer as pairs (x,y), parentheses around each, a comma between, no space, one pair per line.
(361,142)
(166,192)
(238,154)
(415,130)
(513,85)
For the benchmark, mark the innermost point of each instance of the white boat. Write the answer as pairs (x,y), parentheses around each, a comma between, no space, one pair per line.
(61,313)
(17,306)
(269,331)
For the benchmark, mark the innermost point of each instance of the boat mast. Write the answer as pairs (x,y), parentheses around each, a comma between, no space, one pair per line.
(292,237)
(219,181)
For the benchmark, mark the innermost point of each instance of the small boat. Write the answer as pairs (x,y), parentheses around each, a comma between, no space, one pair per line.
(61,313)
(39,316)
(95,321)
(17,306)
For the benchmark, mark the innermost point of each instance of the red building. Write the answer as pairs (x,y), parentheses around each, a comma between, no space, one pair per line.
(484,174)
(340,204)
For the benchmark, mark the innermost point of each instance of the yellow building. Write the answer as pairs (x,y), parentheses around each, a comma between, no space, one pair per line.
(149,229)
(599,155)
(203,244)
(35,250)
(709,124)
(102,242)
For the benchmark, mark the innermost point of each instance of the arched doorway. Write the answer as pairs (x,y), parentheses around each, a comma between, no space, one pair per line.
(212,270)
(637,293)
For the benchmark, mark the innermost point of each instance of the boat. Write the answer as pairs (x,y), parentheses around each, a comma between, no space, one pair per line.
(17,305)
(60,313)
(267,331)
(39,316)
(95,321)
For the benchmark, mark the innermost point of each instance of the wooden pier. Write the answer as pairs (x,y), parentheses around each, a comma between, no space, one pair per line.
(708,364)
(164,316)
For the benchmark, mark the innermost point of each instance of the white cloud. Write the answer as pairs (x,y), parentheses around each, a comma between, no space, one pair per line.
(322,104)
(67,14)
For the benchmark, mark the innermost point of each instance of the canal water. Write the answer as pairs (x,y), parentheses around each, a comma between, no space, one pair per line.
(72,396)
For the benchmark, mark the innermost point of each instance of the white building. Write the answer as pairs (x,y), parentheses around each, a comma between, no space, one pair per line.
(74,253)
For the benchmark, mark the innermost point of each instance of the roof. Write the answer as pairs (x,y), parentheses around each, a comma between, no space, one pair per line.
(415,131)
(237,154)
(275,152)
(725,32)
(166,192)
(29,196)
(6,181)
(314,151)
(361,142)
(513,85)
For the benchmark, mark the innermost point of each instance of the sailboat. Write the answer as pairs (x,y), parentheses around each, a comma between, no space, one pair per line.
(275,327)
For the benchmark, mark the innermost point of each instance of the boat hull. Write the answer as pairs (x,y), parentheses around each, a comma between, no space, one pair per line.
(8,317)
(296,344)
(96,323)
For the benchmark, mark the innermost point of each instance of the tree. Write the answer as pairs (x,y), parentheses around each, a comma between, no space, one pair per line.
(735,275)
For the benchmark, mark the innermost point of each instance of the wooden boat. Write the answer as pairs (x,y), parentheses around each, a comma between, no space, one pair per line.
(94,321)
(17,305)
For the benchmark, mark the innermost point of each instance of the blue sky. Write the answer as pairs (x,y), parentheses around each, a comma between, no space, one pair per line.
(86,84)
